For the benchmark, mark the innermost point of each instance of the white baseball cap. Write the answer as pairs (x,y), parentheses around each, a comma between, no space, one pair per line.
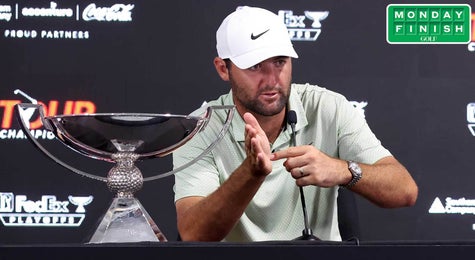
(251,35)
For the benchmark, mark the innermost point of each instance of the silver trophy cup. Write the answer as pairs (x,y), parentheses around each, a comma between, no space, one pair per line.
(123,139)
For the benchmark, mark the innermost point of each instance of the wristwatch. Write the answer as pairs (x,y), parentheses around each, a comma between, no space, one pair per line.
(356,173)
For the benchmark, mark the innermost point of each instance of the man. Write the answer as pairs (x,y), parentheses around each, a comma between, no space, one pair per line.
(247,187)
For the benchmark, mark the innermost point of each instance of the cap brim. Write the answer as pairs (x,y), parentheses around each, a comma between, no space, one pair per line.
(252,58)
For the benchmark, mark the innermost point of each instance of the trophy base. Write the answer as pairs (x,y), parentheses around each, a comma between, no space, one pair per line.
(127,221)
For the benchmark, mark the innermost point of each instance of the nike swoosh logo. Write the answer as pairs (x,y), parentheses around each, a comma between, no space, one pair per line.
(253,37)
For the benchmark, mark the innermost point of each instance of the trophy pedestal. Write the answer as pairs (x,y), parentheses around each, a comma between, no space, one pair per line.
(126,220)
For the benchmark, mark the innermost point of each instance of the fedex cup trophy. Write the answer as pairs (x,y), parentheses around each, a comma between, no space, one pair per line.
(123,138)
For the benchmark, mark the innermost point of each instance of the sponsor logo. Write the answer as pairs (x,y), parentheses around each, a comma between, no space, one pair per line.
(297,26)
(428,23)
(5,13)
(360,106)
(253,37)
(460,206)
(91,13)
(471,118)
(51,108)
(51,11)
(18,210)
(471,45)
(115,13)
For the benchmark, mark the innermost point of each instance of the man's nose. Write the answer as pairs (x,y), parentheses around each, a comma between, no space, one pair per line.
(270,74)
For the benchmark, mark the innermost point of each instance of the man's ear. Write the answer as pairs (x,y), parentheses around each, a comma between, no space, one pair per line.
(221,68)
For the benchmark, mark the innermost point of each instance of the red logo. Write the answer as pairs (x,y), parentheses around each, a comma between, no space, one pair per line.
(51,108)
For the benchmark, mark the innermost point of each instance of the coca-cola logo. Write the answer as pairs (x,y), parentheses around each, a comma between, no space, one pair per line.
(115,13)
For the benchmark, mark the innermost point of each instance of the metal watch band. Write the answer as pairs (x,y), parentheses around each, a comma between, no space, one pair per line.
(355,172)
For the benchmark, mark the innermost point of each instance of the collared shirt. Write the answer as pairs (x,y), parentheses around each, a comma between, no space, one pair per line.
(326,120)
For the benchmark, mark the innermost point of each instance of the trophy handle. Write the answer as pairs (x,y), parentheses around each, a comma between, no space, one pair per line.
(225,128)
(24,114)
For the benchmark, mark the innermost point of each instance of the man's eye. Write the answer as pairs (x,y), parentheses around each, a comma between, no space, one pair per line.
(280,63)
(255,67)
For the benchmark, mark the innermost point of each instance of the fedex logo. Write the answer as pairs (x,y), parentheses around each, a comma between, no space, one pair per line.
(18,210)
(298,30)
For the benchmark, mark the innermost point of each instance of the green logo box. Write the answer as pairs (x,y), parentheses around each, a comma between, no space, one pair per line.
(428,23)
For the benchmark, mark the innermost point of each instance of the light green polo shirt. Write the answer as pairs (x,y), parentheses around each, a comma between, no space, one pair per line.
(326,120)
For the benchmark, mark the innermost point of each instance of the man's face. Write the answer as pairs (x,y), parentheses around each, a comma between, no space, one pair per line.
(264,88)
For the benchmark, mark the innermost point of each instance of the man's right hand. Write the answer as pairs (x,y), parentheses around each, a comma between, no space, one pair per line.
(257,147)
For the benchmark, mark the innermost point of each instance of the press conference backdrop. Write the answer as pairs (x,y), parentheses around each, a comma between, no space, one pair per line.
(156,57)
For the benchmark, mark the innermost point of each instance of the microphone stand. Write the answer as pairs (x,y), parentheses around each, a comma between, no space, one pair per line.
(307,233)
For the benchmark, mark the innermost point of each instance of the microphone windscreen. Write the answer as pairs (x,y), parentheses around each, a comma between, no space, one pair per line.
(291,117)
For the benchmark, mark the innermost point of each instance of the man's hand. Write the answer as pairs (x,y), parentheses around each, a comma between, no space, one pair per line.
(257,146)
(386,182)
(309,166)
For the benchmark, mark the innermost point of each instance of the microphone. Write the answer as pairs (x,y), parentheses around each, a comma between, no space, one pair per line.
(307,233)
(292,120)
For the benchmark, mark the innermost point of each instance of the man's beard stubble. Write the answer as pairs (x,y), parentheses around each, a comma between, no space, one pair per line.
(254,105)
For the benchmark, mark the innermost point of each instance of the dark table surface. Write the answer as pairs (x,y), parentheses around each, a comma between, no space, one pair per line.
(294,250)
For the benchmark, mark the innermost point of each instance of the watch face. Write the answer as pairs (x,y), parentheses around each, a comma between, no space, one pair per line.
(355,172)
(355,168)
